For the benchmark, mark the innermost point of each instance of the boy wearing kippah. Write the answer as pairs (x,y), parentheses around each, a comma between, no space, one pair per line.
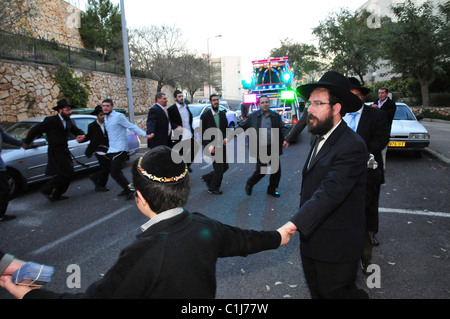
(175,256)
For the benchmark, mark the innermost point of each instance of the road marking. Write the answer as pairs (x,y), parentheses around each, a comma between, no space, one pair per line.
(81,230)
(413,212)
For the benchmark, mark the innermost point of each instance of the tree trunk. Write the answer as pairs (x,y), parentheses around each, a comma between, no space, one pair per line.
(159,87)
(424,83)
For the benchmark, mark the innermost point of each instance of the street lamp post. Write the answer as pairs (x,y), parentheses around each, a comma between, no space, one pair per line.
(209,62)
(374,74)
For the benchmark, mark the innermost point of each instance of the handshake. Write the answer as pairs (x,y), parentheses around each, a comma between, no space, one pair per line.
(286,231)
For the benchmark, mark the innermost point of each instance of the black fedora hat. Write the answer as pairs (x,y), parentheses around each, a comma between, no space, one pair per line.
(97,110)
(355,84)
(62,104)
(337,84)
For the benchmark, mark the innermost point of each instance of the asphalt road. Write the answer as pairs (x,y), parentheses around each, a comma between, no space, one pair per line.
(90,229)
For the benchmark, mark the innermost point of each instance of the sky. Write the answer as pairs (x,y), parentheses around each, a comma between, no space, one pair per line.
(249,29)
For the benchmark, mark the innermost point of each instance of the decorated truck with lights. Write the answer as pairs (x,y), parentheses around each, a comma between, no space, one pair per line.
(274,78)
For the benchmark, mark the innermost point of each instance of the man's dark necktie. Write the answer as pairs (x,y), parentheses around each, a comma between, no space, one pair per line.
(316,146)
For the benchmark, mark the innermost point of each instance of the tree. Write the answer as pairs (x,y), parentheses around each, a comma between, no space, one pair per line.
(303,58)
(101,27)
(159,52)
(346,40)
(417,43)
(196,75)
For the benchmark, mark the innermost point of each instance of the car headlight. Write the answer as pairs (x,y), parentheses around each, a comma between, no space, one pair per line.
(418,136)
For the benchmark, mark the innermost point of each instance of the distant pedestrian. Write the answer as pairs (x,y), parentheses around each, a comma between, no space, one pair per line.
(181,119)
(98,146)
(116,125)
(159,128)
(266,122)
(373,126)
(60,161)
(216,120)
(5,190)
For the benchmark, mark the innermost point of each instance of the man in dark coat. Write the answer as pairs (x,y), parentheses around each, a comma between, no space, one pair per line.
(158,124)
(214,141)
(266,122)
(373,126)
(175,256)
(181,121)
(98,146)
(60,163)
(331,217)
(385,104)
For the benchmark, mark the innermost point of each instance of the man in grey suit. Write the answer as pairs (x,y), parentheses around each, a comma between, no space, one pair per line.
(331,217)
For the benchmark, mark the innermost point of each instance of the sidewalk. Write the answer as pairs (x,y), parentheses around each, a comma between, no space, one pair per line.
(440,138)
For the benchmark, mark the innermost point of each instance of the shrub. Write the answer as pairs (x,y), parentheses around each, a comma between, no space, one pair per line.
(74,89)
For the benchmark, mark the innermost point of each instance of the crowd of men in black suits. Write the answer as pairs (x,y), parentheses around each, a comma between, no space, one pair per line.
(338,213)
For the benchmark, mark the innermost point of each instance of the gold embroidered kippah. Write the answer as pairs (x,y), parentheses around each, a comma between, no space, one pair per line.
(161,179)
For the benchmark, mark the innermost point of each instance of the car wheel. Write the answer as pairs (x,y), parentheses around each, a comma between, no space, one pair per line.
(15,182)
(232,125)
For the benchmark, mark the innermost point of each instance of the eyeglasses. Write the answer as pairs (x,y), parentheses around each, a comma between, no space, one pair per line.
(214,100)
(315,104)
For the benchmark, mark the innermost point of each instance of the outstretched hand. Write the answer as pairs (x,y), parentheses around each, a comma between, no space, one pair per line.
(15,290)
(286,231)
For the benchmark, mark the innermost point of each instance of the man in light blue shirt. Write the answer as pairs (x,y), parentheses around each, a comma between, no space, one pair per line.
(116,125)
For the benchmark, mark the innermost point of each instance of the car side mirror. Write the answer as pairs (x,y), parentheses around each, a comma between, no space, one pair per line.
(419,117)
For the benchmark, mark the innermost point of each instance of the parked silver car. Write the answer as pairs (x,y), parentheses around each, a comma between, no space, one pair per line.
(28,166)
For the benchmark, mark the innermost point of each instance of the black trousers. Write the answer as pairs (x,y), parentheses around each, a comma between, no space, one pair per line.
(332,281)
(60,166)
(101,176)
(214,178)
(118,161)
(5,193)
(274,179)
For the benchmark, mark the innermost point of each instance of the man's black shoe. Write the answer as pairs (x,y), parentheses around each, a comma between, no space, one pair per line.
(248,189)
(273,193)
(5,218)
(101,189)
(57,198)
(215,191)
(375,241)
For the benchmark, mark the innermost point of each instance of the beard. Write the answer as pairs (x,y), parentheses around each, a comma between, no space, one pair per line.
(322,127)
(65,116)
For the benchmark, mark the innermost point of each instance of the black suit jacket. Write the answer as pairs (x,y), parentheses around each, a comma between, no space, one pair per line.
(59,158)
(389,107)
(374,128)
(99,140)
(331,217)
(207,120)
(158,123)
(175,118)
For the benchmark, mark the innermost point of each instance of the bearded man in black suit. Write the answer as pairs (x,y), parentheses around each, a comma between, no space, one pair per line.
(331,217)
(60,164)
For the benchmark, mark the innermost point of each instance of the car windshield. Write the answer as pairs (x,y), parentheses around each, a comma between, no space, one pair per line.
(404,113)
(275,103)
(18,131)
(196,110)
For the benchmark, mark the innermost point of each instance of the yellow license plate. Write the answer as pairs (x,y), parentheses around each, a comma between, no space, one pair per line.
(396,144)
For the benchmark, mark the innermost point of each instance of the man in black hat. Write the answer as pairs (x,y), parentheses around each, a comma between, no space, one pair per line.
(99,146)
(175,256)
(331,219)
(60,164)
(373,126)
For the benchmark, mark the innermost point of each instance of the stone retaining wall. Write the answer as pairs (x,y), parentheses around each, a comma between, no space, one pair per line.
(28,90)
